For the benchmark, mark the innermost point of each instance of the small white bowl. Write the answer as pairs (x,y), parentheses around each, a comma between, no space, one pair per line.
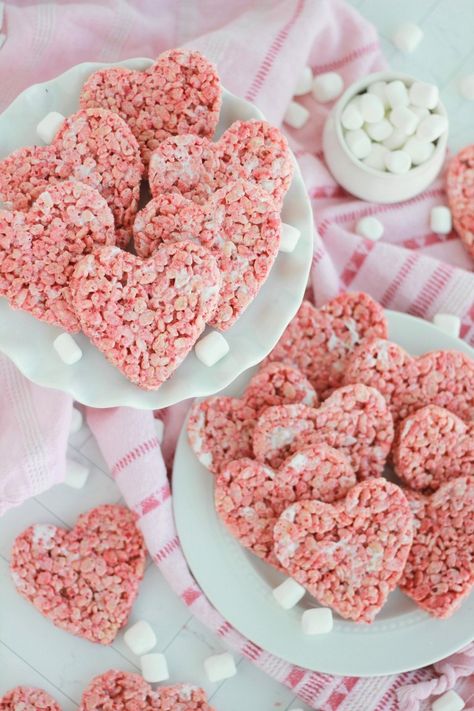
(361,180)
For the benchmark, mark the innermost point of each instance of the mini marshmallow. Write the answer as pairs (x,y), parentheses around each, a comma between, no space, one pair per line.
(424,95)
(466,87)
(398,162)
(371,108)
(296,115)
(450,701)
(359,143)
(159,429)
(379,131)
(404,119)
(432,127)
(317,621)
(154,667)
(351,117)
(219,667)
(370,228)
(67,349)
(76,474)
(211,349)
(397,94)
(327,87)
(419,151)
(378,88)
(448,323)
(49,126)
(441,221)
(289,237)
(407,37)
(421,111)
(376,157)
(288,594)
(304,83)
(140,638)
(397,139)
(76,421)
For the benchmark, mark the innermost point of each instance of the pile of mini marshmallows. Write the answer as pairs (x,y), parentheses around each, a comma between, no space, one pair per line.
(394,127)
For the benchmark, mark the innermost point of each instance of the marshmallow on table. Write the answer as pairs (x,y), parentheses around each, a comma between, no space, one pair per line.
(49,126)
(397,94)
(424,95)
(317,621)
(371,108)
(448,323)
(289,237)
(327,87)
(304,83)
(370,228)
(380,130)
(288,594)
(397,139)
(351,117)
(404,119)
(407,37)
(159,429)
(296,115)
(140,638)
(76,421)
(450,701)
(432,127)
(376,157)
(67,349)
(154,667)
(212,348)
(359,143)
(419,151)
(398,162)
(378,88)
(441,221)
(466,87)
(219,667)
(76,474)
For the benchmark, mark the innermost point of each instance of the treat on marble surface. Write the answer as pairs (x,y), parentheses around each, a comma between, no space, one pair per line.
(84,580)
(407,37)
(140,638)
(443,378)
(239,224)
(220,428)
(25,698)
(439,572)
(154,667)
(196,167)
(39,249)
(351,554)
(95,147)
(318,341)
(179,94)
(459,182)
(432,446)
(219,667)
(146,315)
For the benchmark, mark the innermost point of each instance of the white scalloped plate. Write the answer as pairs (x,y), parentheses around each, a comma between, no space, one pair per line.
(239,585)
(93,381)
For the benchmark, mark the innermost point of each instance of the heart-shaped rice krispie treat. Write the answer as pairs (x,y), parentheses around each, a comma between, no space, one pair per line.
(95,147)
(460,191)
(355,420)
(249,150)
(443,378)
(320,341)
(240,226)
(39,249)
(84,580)
(433,446)
(439,572)
(179,94)
(249,496)
(220,429)
(146,315)
(25,698)
(349,555)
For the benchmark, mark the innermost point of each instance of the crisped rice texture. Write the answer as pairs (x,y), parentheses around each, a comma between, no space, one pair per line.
(25,698)
(460,191)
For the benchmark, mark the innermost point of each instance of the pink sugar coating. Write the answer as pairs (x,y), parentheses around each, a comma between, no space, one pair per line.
(460,191)
(39,249)
(220,429)
(123,691)
(146,315)
(319,341)
(84,580)
(238,224)
(95,147)
(443,378)
(179,94)
(351,554)
(433,446)
(251,150)
(25,698)
(439,572)
(249,497)
(354,419)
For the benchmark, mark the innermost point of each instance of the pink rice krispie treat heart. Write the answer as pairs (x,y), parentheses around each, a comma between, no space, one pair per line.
(433,446)
(179,94)
(460,191)
(84,580)
(25,698)
(351,554)
(220,429)
(251,150)
(123,691)
(146,315)
(95,147)
(320,341)
(443,378)
(249,496)
(39,249)
(240,226)
(355,420)
(439,572)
